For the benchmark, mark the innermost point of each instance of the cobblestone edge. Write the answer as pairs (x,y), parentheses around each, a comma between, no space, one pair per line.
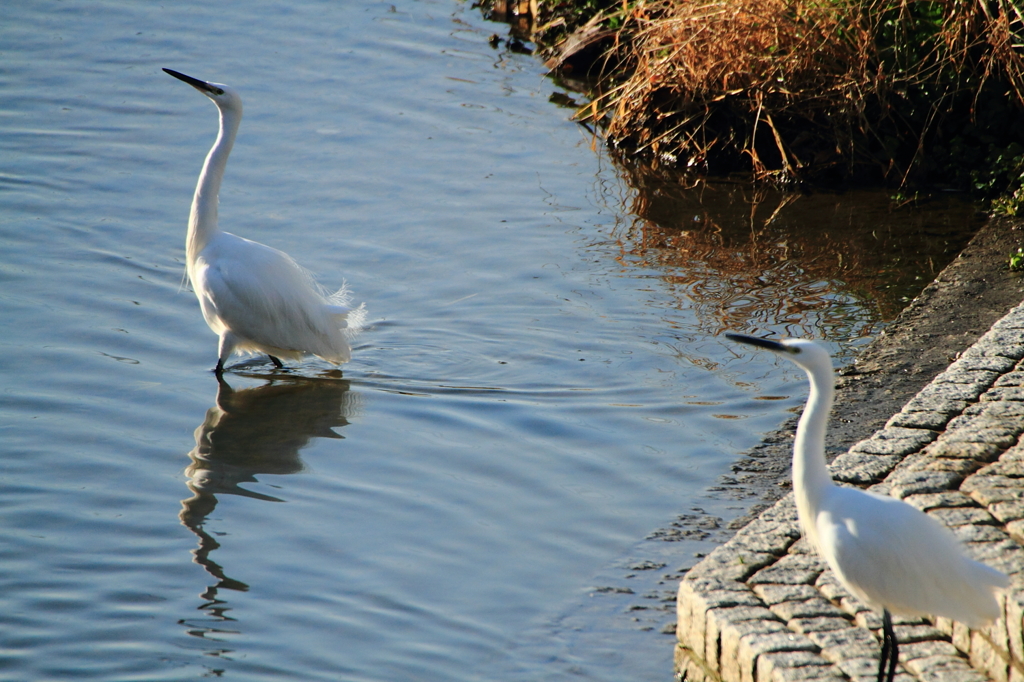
(763,607)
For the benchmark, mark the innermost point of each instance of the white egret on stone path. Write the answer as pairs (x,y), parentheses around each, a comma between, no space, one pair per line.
(254,297)
(890,555)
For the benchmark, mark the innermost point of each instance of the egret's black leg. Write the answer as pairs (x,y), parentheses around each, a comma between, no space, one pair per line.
(890,650)
(277,363)
(894,650)
(219,372)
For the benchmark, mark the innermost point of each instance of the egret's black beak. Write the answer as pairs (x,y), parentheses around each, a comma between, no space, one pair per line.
(767,344)
(195,82)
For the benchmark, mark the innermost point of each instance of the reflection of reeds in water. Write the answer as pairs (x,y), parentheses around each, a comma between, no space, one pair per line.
(745,258)
(249,432)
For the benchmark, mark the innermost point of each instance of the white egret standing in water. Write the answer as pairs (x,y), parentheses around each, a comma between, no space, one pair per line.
(254,297)
(891,555)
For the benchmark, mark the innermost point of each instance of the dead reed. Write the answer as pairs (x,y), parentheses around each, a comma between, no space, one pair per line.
(806,90)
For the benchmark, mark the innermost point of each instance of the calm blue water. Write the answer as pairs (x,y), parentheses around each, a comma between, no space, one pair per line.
(535,391)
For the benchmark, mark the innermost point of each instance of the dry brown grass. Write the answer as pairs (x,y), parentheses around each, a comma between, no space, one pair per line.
(799,89)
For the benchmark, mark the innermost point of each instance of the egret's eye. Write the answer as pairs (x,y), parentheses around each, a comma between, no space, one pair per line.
(218,91)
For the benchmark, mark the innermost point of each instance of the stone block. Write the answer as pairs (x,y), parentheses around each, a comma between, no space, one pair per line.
(975,380)
(908,482)
(740,621)
(696,597)
(985,430)
(752,647)
(1008,510)
(795,666)
(846,643)
(982,534)
(1016,529)
(944,669)
(1004,393)
(944,625)
(935,403)
(736,657)
(985,658)
(993,363)
(925,649)
(995,409)
(1002,342)
(809,608)
(960,516)
(776,594)
(865,617)
(791,569)
(1015,623)
(1010,467)
(920,420)
(769,536)
(959,449)
(997,631)
(1004,555)
(1015,378)
(945,500)
(961,637)
(987,489)
(1014,453)
(731,562)
(782,512)
(861,467)
(953,391)
(920,632)
(822,624)
(895,440)
(802,546)
(863,668)
(962,467)
(830,586)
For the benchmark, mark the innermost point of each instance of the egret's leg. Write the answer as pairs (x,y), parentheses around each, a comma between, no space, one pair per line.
(219,372)
(224,350)
(890,651)
(894,650)
(277,363)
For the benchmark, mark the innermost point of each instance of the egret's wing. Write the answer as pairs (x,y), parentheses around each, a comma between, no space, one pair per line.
(262,295)
(891,554)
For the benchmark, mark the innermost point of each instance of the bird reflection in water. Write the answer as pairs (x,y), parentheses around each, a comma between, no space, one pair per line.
(249,432)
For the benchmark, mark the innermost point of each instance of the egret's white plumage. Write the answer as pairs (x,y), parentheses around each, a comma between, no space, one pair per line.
(255,298)
(891,555)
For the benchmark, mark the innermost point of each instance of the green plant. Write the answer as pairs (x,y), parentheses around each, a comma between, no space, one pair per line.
(1017,259)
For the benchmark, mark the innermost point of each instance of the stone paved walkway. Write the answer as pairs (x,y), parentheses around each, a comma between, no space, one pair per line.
(763,607)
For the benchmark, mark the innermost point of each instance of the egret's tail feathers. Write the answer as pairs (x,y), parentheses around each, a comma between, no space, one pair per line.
(340,305)
(974,600)
(342,297)
(355,319)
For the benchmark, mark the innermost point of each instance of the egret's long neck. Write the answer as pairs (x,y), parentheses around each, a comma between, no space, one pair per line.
(202,221)
(810,472)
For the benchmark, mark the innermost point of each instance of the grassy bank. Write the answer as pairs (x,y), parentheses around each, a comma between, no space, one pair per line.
(908,94)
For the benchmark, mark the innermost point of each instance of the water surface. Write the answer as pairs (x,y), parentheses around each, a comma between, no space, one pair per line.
(539,385)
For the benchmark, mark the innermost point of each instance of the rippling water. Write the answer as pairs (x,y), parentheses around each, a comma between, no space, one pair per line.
(539,385)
